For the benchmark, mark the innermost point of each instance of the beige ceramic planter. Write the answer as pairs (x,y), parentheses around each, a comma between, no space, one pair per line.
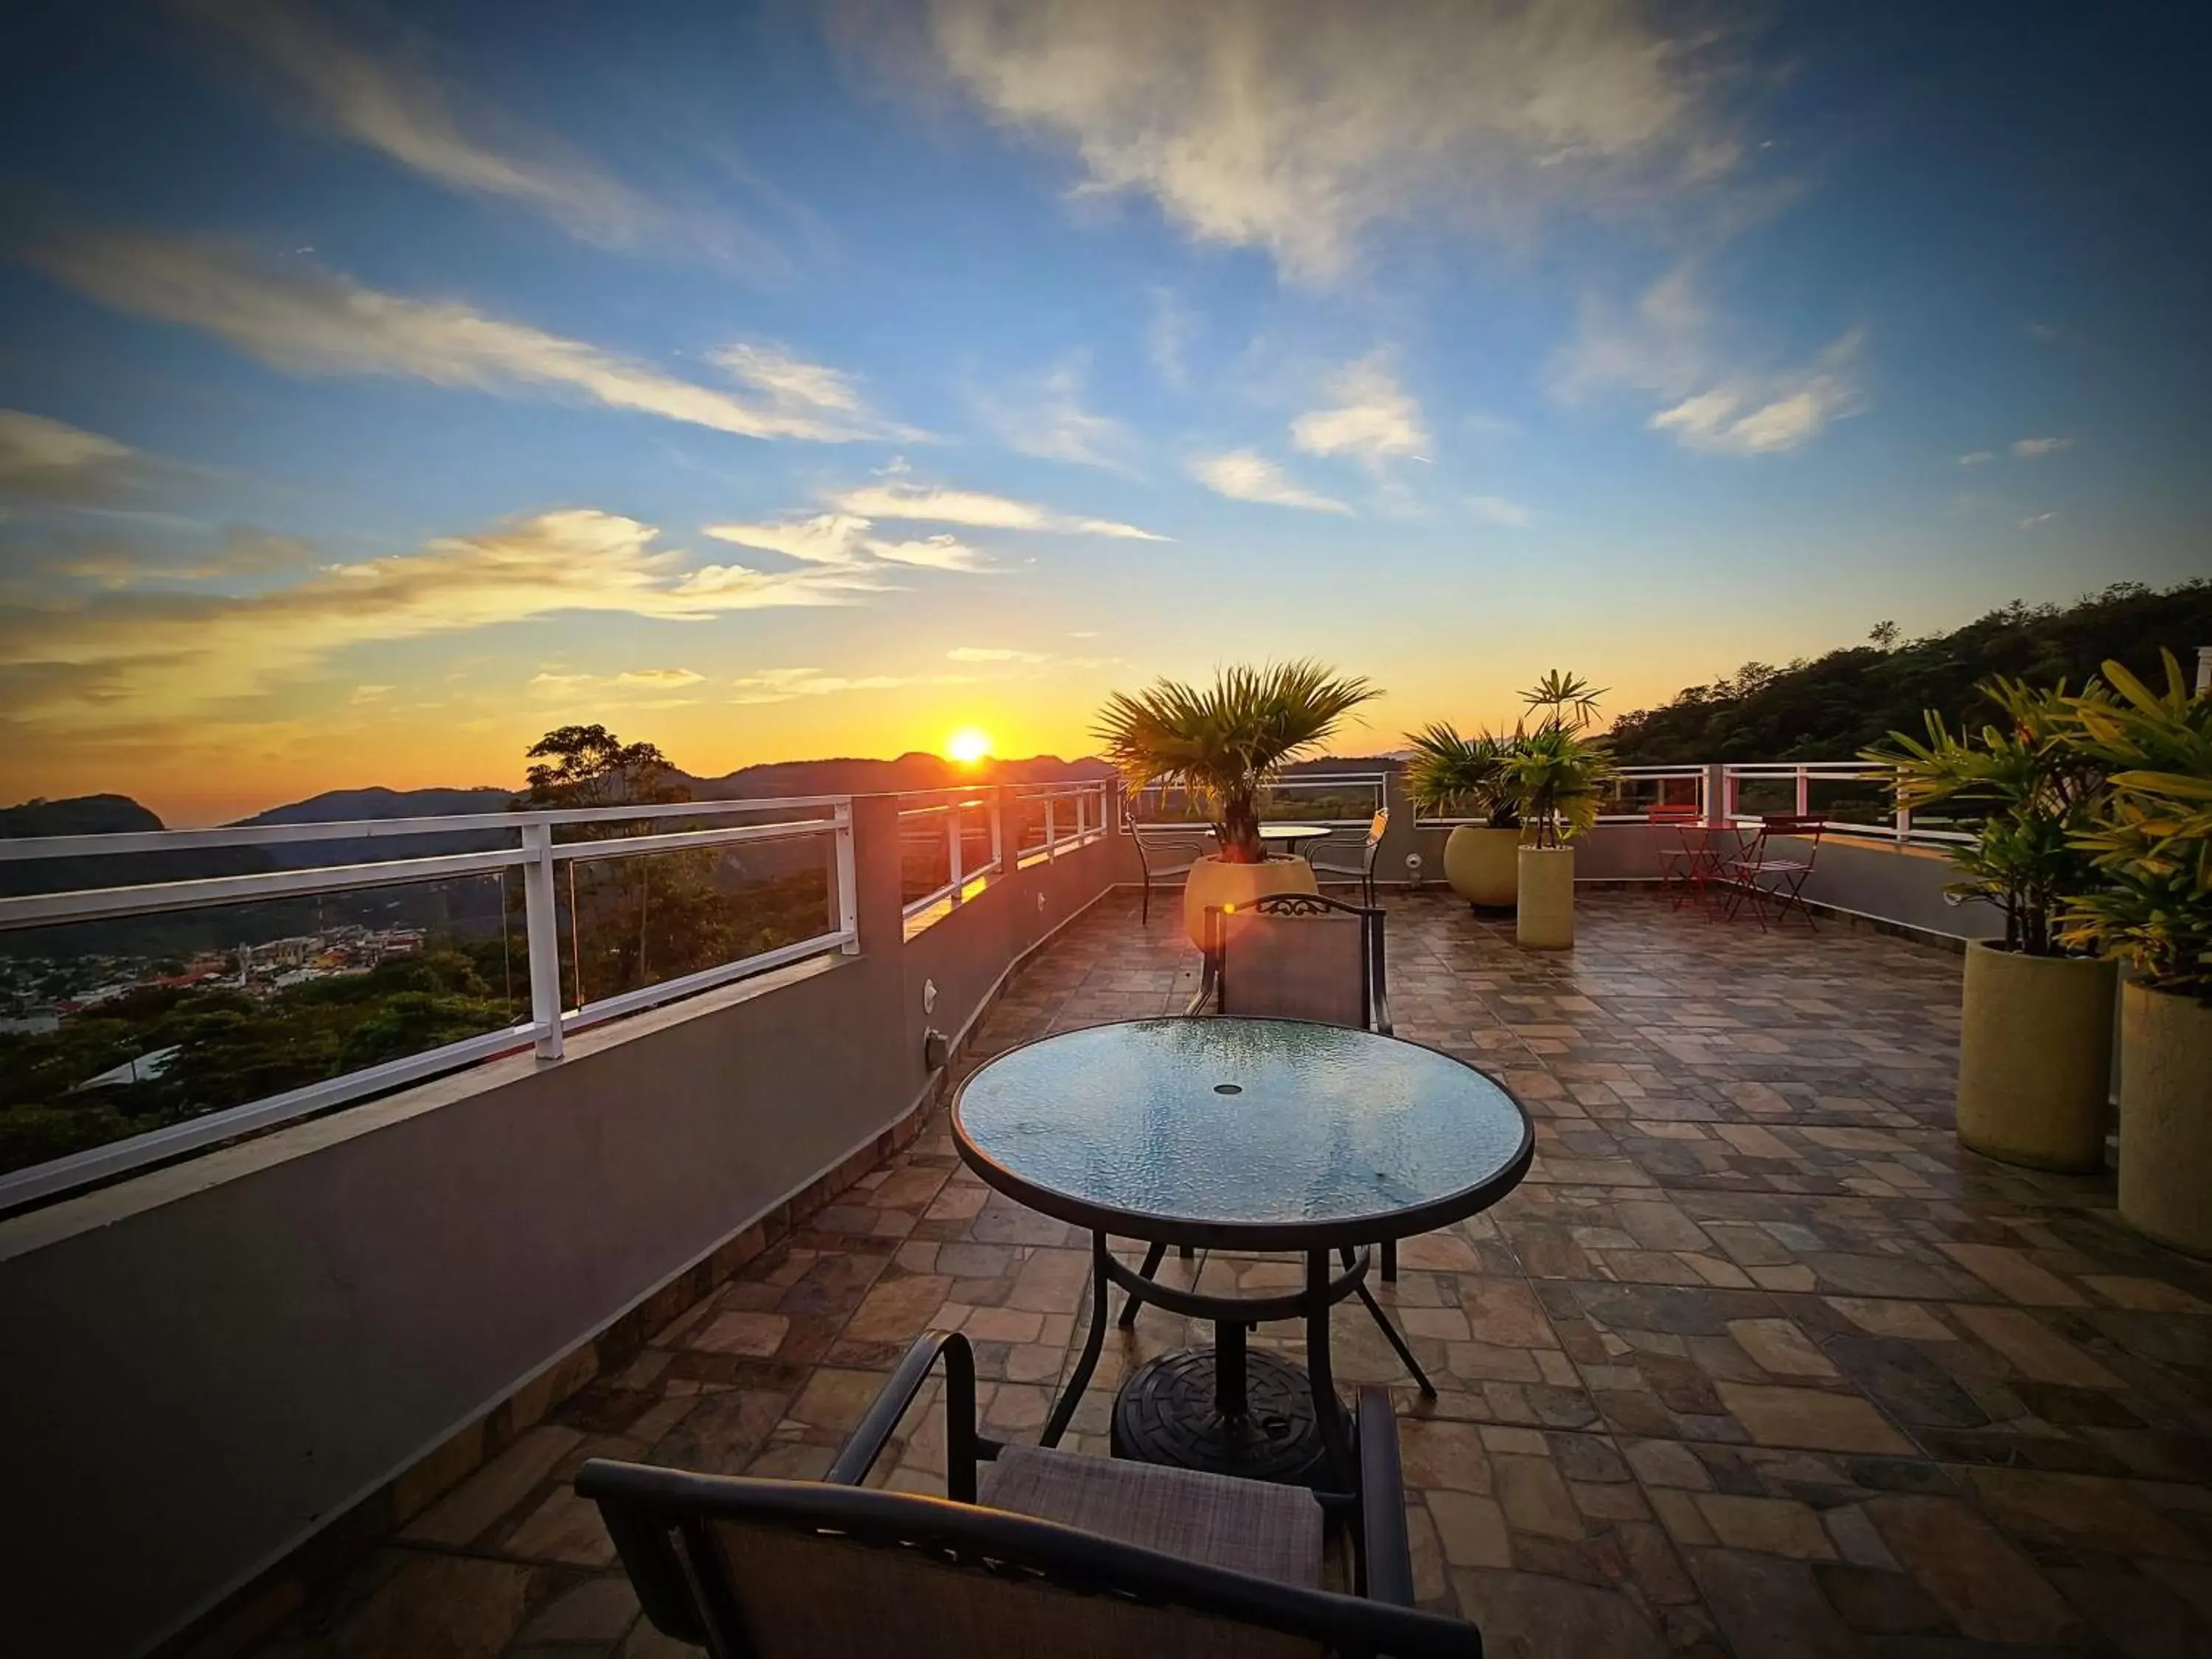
(2035,1058)
(1483,866)
(2166,1118)
(1216,885)
(1546,914)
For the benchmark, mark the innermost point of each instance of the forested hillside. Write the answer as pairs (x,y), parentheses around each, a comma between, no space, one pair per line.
(1834,705)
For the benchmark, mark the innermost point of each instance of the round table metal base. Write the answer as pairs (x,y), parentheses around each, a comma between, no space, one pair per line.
(1165,1414)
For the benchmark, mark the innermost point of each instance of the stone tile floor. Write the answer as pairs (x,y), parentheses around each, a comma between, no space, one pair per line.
(1756,1362)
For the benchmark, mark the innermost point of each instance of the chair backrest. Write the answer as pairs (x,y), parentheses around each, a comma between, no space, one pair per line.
(1663,814)
(1377,826)
(1804,827)
(1154,839)
(1297,956)
(795,1570)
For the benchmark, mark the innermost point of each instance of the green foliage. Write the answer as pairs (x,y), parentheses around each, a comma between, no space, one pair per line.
(1450,775)
(1851,700)
(2151,836)
(1558,775)
(1224,743)
(2040,785)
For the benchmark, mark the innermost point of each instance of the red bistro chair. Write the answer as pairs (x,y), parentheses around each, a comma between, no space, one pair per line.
(1759,875)
(1678,865)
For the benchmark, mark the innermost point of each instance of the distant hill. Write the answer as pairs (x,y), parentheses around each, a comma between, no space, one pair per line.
(1831,707)
(352,805)
(912,771)
(106,815)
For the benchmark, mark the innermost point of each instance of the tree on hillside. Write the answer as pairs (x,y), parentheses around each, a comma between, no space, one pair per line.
(590,765)
(1831,708)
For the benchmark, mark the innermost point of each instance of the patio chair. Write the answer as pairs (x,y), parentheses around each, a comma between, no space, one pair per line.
(1158,843)
(1300,955)
(1679,865)
(1034,1551)
(1364,870)
(1758,875)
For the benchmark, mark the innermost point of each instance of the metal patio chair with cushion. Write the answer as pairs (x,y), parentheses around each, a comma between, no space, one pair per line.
(1158,846)
(1765,875)
(1301,956)
(1364,870)
(1034,1552)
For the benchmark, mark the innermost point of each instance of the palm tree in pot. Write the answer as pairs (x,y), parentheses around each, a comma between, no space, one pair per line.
(1223,745)
(2149,905)
(1559,776)
(2035,1041)
(1451,775)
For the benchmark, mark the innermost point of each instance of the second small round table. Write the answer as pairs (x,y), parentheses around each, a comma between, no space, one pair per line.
(1256,1135)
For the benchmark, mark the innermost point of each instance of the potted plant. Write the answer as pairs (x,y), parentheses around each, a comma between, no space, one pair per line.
(1450,775)
(1557,776)
(2035,1034)
(1223,745)
(2150,841)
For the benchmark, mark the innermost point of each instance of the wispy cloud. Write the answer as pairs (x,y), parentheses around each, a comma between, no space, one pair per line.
(1297,128)
(386,97)
(1245,475)
(1168,337)
(1668,346)
(2029,448)
(1372,418)
(769,685)
(1045,416)
(1977,458)
(2042,333)
(931,504)
(302,318)
(113,659)
(1496,509)
(50,462)
(2034,520)
(993,654)
(240,551)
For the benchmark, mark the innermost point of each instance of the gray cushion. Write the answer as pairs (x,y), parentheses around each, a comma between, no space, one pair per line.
(1246,1526)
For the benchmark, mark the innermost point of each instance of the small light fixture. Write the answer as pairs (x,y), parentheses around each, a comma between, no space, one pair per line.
(1414,870)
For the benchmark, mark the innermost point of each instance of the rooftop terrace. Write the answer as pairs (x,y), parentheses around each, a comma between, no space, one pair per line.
(1757,1361)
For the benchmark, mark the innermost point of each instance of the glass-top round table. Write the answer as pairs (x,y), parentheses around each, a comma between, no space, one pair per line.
(1240,1134)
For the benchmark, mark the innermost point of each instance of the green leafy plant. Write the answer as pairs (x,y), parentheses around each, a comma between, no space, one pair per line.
(1557,775)
(1224,743)
(1451,774)
(2040,785)
(2150,835)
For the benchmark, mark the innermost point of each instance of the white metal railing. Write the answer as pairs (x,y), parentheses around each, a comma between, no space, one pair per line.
(1717,792)
(535,855)
(954,815)
(1074,816)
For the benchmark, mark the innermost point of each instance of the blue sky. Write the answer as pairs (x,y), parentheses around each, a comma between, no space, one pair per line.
(386,385)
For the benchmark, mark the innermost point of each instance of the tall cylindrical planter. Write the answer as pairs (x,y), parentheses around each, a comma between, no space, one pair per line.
(2166,1117)
(1483,866)
(1544,915)
(1214,884)
(2035,1058)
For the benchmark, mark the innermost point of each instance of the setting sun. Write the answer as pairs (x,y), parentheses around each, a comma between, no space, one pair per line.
(968,745)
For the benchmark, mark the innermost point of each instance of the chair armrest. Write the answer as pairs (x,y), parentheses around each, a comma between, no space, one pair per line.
(866,1442)
(1386,1556)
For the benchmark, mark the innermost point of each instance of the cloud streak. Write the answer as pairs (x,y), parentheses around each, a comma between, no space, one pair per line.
(1046,417)
(930,504)
(1245,475)
(304,319)
(46,462)
(115,659)
(1373,419)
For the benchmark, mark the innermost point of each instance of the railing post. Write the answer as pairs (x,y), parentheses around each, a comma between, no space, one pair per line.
(952,839)
(1712,792)
(2204,671)
(849,885)
(1904,812)
(542,933)
(1804,791)
(997,811)
(1051,833)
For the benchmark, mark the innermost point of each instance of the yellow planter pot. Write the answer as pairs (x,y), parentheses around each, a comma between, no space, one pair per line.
(1215,886)
(2035,1058)
(1482,865)
(1545,916)
(2166,1118)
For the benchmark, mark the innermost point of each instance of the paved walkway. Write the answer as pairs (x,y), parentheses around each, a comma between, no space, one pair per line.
(1756,1362)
